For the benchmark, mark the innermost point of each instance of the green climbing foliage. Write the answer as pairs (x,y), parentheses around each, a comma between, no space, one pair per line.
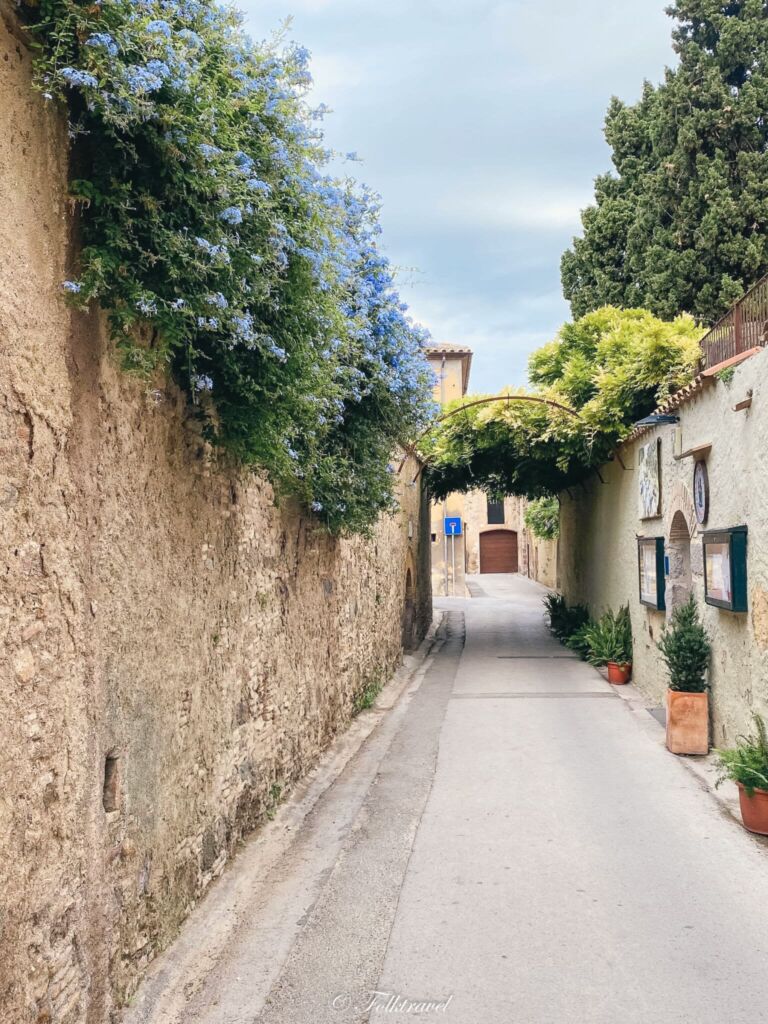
(542,517)
(222,250)
(681,224)
(611,368)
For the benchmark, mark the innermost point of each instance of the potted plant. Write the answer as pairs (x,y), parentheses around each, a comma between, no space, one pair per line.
(746,764)
(578,642)
(685,648)
(609,641)
(564,619)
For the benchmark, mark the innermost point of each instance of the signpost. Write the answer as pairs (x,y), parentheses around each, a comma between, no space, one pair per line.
(452,527)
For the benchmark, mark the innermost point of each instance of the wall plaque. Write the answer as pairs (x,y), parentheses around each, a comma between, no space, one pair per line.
(701,491)
(649,479)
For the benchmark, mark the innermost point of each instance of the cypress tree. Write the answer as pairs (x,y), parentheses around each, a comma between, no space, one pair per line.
(682,224)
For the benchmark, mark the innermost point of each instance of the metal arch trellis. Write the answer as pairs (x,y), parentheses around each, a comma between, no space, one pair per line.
(411,449)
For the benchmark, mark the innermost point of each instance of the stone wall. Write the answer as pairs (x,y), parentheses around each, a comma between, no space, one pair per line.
(175,650)
(600,524)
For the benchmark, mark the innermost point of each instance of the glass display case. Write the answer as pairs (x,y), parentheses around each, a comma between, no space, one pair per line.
(725,568)
(650,561)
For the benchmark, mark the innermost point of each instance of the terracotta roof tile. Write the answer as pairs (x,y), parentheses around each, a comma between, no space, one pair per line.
(453,349)
(695,387)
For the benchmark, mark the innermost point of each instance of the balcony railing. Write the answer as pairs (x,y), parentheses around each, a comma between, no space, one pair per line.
(742,328)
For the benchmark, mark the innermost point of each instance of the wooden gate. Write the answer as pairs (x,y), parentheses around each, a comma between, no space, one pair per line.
(498,551)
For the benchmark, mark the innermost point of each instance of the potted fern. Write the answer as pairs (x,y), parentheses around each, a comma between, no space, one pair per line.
(746,764)
(609,642)
(564,619)
(685,648)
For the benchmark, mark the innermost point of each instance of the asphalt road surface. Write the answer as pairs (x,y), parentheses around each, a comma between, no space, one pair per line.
(511,844)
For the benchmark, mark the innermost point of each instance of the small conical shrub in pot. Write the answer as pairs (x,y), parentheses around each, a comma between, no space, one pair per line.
(685,648)
(746,764)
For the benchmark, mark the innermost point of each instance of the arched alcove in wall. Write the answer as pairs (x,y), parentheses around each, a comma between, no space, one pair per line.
(679,581)
(681,528)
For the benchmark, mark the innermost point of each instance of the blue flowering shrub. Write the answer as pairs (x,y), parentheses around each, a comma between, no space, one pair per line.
(207,217)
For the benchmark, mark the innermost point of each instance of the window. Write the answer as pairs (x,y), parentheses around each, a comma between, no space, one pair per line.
(495,513)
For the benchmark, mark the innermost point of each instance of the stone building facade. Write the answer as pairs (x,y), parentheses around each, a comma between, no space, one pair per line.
(723,424)
(494,536)
(175,649)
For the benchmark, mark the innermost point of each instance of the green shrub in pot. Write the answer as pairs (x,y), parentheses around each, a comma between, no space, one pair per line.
(564,619)
(747,762)
(610,638)
(747,765)
(578,642)
(685,648)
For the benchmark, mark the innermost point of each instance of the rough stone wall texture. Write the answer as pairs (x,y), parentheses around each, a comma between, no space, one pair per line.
(161,620)
(598,547)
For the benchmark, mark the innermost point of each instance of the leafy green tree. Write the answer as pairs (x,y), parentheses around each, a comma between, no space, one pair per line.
(542,517)
(681,224)
(610,368)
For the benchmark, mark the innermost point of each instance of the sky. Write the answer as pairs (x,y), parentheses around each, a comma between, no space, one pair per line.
(480,124)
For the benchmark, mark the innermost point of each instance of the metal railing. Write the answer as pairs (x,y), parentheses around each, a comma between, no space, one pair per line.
(742,328)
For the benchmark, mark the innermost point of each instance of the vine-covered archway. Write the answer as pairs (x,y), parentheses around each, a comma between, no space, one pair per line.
(507,399)
(588,388)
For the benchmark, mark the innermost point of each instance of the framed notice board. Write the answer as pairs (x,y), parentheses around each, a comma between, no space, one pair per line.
(650,564)
(725,568)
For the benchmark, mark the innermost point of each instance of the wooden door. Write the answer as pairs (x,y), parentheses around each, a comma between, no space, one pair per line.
(498,551)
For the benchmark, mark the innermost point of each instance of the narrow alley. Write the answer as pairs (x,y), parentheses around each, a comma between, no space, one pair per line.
(511,843)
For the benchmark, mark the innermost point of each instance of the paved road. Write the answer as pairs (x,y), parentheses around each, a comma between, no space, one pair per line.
(515,841)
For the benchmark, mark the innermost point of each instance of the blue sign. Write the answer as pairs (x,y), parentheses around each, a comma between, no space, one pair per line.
(452,526)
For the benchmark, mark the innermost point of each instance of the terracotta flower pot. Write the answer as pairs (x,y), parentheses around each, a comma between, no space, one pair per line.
(754,810)
(687,722)
(618,674)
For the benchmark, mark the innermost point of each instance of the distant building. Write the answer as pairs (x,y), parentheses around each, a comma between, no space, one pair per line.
(493,536)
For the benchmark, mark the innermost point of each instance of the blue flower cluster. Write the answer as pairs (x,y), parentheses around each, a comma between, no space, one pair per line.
(261,273)
(105,40)
(77,78)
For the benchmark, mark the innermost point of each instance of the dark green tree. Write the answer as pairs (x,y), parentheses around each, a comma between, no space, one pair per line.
(682,224)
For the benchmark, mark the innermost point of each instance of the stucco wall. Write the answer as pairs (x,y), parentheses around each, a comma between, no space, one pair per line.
(157,609)
(598,547)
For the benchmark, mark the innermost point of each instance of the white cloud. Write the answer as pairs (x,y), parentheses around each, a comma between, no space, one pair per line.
(501,338)
(514,208)
(334,74)
(480,122)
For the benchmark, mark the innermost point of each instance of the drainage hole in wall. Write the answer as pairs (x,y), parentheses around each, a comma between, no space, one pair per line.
(111,793)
